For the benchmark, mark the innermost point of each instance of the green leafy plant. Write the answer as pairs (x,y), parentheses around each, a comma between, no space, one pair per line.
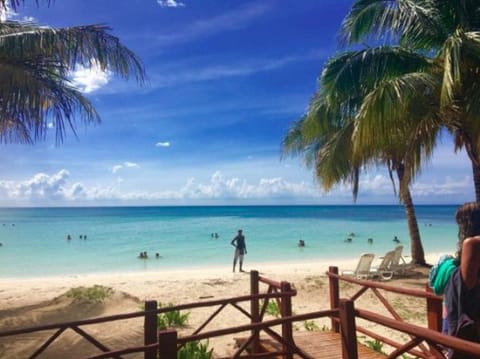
(311,326)
(272,308)
(375,345)
(95,294)
(195,350)
(172,318)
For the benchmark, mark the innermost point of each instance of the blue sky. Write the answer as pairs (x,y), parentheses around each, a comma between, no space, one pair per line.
(225,81)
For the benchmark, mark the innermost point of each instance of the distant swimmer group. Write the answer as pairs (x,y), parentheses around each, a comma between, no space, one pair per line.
(349,238)
(351,235)
(69,237)
(144,255)
(301,243)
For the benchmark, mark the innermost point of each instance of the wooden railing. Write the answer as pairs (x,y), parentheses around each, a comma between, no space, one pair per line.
(156,342)
(423,343)
(431,335)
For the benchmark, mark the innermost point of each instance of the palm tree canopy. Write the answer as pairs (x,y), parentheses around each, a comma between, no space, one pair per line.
(35,65)
(447,33)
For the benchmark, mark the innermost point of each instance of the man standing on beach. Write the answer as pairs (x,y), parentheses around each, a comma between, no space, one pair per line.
(240,249)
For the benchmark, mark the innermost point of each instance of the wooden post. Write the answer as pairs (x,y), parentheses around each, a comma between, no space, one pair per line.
(348,330)
(167,344)
(434,312)
(334,296)
(286,310)
(150,328)
(254,309)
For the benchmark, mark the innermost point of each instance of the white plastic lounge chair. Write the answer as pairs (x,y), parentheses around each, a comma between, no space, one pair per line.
(363,267)
(383,270)
(399,265)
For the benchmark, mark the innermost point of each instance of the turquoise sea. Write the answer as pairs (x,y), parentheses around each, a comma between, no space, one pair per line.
(34,240)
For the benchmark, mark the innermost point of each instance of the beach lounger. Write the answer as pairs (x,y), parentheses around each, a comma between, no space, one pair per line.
(383,271)
(399,265)
(363,267)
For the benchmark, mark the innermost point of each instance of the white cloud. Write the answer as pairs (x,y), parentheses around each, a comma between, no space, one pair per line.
(89,79)
(170,3)
(130,165)
(7,13)
(127,164)
(449,187)
(40,187)
(162,144)
(45,189)
(116,168)
(3,15)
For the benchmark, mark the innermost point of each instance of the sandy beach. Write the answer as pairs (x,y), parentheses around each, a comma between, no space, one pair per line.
(31,302)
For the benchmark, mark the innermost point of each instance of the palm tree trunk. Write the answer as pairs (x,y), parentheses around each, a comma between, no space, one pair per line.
(476,180)
(475,158)
(416,247)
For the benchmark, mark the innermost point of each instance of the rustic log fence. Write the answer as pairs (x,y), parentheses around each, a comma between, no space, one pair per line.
(418,335)
(278,291)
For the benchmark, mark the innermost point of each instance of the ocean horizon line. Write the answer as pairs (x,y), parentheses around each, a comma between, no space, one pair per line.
(234,205)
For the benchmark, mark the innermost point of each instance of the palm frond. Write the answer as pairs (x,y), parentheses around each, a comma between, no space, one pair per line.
(412,23)
(85,45)
(15,4)
(391,111)
(34,91)
(350,76)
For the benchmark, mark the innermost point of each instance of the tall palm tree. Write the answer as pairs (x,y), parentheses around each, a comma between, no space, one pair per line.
(35,67)
(447,34)
(332,123)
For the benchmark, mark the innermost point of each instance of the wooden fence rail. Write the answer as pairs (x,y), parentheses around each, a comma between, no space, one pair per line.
(419,335)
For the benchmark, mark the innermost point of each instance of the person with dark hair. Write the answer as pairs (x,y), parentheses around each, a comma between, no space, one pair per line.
(458,278)
(240,249)
(462,292)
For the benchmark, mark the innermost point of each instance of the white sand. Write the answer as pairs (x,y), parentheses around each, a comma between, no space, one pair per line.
(145,285)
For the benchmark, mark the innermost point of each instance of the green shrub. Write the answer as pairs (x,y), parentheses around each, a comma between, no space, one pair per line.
(272,308)
(195,350)
(172,318)
(95,294)
(311,326)
(375,345)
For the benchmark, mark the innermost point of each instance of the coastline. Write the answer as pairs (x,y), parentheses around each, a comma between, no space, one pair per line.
(147,284)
